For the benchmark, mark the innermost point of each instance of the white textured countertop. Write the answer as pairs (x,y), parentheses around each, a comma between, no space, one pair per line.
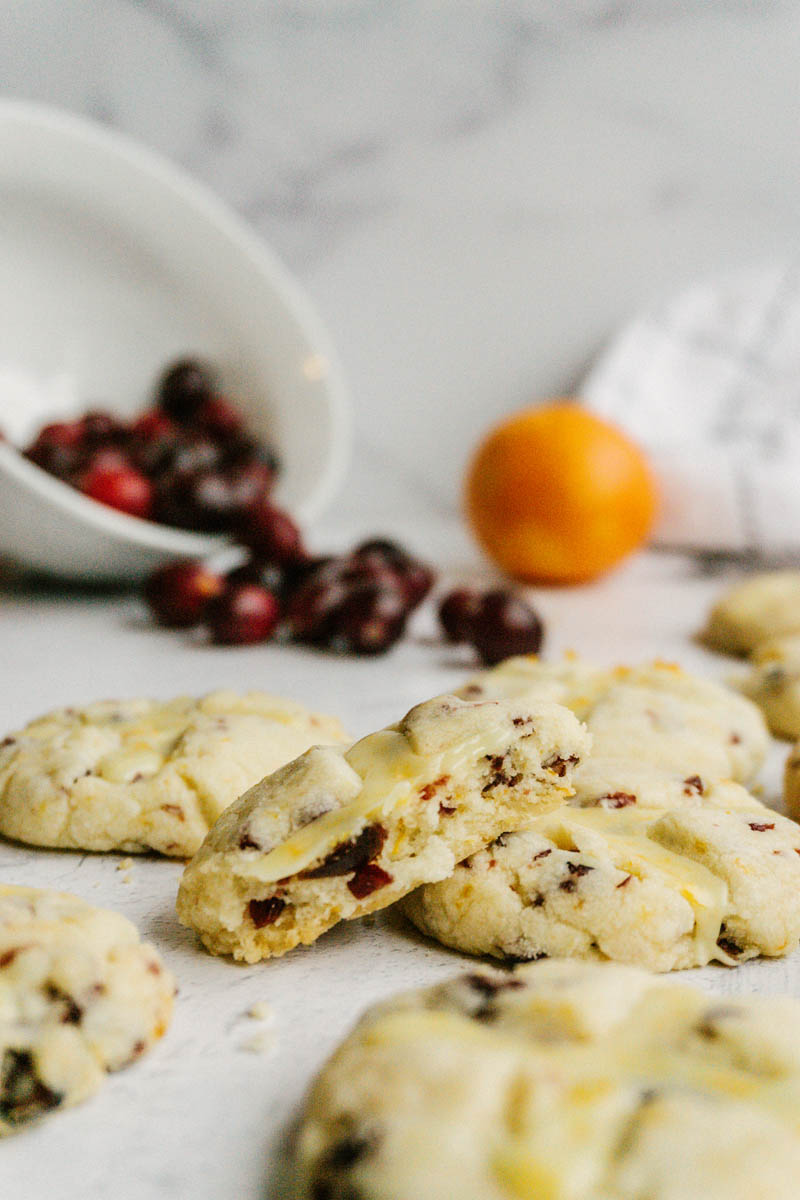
(474,195)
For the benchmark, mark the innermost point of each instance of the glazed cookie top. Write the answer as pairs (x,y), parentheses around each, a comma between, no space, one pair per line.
(567,1080)
(656,713)
(146,774)
(80,995)
(763,606)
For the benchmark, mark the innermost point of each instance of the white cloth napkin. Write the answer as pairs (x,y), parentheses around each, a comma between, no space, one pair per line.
(709,384)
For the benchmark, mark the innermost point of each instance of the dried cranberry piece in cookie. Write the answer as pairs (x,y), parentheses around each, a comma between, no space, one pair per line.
(265,912)
(351,855)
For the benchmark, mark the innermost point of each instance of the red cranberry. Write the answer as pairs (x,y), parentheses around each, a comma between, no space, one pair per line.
(270,533)
(218,417)
(60,433)
(184,389)
(212,501)
(368,621)
(243,614)
(99,427)
(416,580)
(195,453)
(122,488)
(414,577)
(244,450)
(250,482)
(505,625)
(180,593)
(458,612)
(267,575)
(382,549)
(64,462)
(311,608)
(106,458)
(153,426)
(152,442)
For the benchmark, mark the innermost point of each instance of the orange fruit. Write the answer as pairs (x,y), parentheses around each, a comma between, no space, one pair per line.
(557,495)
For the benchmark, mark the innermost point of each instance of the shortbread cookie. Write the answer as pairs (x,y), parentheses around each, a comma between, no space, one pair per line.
(662,890)
(762,607)
(80,995)
(337,834)
(140,775)
(774,684)
(561,1080)
(655,713)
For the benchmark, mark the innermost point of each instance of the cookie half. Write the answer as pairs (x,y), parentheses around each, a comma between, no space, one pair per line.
(562,1080)
(336,834)
(80,995)
(141,775)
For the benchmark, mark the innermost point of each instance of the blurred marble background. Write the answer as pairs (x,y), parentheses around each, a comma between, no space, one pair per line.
(474,194)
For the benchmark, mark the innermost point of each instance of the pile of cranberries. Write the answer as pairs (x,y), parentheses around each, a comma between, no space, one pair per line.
(188,462)
(356,603)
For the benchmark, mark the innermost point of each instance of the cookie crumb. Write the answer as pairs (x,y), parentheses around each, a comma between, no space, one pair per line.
(262,1043)
(262,1011)
(124,864)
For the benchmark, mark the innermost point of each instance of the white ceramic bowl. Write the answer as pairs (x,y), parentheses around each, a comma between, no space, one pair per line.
(113,264)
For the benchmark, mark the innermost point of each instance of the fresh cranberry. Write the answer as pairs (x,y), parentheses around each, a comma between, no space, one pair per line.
(153,426)
(172,503)
(65,462)
(244,450)
(383,549)
(250,482)
(252,570)
(505,625)
(99,428)
(106,458)
(458,612)
(311,608)
(243,614)
(369,620)
(212,500)
(195,453)
(153,439)
(60,433)
(270,533)
(218,417)
(416,580)
(58,449)
(122,488)
(180,593)
(184,389)
(414,577)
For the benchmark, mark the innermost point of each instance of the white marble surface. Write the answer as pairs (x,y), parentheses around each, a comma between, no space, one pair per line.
(474,196)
